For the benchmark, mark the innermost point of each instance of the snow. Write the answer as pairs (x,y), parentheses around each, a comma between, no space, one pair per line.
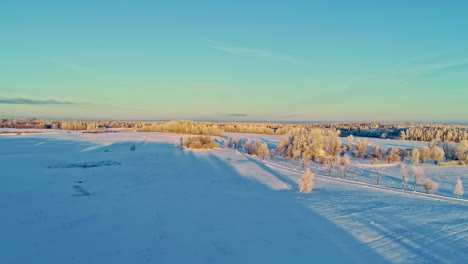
(160,204)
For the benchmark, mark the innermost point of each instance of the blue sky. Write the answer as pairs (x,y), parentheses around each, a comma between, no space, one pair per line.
(245,60)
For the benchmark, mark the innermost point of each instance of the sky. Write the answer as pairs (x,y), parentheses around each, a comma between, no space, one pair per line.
(235,60)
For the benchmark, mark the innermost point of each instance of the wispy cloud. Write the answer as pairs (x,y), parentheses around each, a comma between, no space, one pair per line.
(442,66)
(254,52)
(33,102)
(235,115)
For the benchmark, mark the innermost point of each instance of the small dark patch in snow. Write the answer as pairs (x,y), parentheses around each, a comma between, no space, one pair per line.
(80,191)
(85,165)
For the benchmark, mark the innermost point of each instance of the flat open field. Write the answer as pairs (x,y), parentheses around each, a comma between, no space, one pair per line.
(86,198)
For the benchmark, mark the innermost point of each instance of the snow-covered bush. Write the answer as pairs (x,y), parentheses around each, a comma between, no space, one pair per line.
(429,185)
(199,142)
(393,155)
(458,190)
(306,183)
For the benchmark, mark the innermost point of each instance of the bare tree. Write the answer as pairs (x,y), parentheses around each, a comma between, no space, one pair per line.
(306,183)
(328,162)
(418,174)
(296,154)
(272,153)
(344,162)
(376,151)
(379,175)
(429,185)
(458,190)
(306,160)
(404,176)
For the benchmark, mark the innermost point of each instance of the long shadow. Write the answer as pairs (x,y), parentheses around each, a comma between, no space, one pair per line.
(346,247)
(285,179)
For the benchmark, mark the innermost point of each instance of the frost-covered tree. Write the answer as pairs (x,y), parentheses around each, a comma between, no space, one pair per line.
(415,156)
(296,154)
(249,147)
(306,183)
(404,176)
(402,135)
(316,145)
(272,153)
(349,142)
(376,153)
(262,150)
(393,155)
(462,151)
(306,159)
(361,148)
(458,190)
(434,143)
(334,143)
(418,175)
(437,154)
(344,162)
(328,162)
(379,175)
(424,154)
(429,185)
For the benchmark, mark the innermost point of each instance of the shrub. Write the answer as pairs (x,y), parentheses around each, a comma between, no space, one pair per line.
(458,190)
(429,185)
(449,163)
(199,142)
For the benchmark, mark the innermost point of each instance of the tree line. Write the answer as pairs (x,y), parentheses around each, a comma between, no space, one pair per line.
(404,131)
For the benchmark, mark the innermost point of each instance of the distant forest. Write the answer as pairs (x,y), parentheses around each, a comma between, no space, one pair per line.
(405,131)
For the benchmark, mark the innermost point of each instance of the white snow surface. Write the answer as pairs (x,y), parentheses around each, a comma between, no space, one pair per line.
(161,204)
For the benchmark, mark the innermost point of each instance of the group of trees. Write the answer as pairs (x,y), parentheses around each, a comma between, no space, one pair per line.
(446,133)
(199,142)
(304,145)
(66,125)
(363,149)
(436,151)
(256,148)
(405,131)
(428,184)
(253,148)
(184,127)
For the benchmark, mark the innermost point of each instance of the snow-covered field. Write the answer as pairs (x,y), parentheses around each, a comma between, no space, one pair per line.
(86,198)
